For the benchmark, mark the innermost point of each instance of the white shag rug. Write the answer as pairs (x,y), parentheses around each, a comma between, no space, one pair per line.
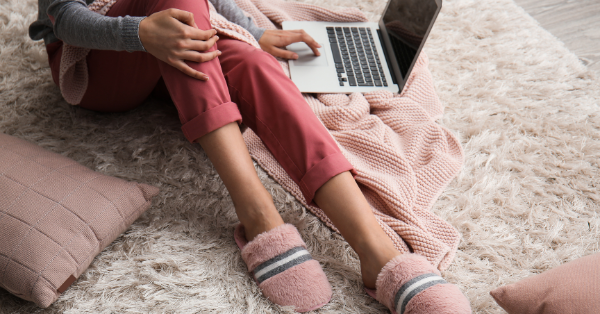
(524,107)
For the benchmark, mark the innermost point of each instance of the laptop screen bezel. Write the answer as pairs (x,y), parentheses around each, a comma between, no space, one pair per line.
(392,62)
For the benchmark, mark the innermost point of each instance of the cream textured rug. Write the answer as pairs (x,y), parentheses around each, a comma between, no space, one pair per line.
(524,107)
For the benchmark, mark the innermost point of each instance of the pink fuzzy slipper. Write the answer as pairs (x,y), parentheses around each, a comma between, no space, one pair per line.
(283,269)
(409,284)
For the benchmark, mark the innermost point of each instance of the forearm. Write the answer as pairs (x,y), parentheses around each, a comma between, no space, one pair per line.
(229,10)
(76,25)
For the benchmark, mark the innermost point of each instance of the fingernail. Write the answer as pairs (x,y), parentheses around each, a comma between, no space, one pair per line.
(217,37)
(218,52)
(295,56)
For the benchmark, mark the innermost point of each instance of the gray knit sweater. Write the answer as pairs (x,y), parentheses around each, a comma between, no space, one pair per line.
(76,25)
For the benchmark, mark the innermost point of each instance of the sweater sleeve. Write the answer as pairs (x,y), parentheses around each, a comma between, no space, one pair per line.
(76,25)
(234,14)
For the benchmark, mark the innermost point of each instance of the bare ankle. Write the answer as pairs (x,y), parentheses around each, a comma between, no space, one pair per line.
(258,216)
(256,229)
(261,222)
(374,255)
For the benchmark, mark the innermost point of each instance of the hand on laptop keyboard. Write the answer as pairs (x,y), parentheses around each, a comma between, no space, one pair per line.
(272,41)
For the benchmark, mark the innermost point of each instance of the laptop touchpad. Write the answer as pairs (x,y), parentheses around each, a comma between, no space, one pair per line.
(306,57)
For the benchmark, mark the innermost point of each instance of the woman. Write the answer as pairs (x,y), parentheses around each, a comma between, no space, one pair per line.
(139,45)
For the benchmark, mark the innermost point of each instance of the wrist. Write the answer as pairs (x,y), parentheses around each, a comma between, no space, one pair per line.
(141,31)
(130,33)
(139,36)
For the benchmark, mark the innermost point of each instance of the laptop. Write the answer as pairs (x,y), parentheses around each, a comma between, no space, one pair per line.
(363,57)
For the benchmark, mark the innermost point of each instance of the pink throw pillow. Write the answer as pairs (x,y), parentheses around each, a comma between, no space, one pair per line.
(55,217)
(573,287)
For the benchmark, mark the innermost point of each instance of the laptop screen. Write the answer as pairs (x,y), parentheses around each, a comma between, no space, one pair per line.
(407,23)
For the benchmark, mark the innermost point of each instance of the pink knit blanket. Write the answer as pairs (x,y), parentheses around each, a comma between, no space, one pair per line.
(404,159)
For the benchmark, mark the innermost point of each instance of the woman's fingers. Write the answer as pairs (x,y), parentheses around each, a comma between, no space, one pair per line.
(282,53)
(273,40)
(193,56)
(186,69)
(199,57)
(182,16)
(191,31)
(198,34)
(172,36)
(201,45)
(299,35)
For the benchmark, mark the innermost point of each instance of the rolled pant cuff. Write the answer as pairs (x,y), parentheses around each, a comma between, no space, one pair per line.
(322,172)
(211,120)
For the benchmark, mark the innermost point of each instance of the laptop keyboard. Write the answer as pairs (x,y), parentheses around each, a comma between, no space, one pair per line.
(355,55)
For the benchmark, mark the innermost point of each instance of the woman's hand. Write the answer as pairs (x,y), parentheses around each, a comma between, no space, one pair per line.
(173,37)
(273,40)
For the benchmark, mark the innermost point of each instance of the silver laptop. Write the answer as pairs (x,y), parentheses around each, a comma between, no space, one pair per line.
(363,57)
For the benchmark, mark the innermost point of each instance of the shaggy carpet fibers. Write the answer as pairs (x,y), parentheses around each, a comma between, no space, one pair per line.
(524,107)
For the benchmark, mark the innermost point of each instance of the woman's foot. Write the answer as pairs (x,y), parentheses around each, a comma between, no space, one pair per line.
(410,284)
(262,222)
(373,256)
(258,215)
(284,269)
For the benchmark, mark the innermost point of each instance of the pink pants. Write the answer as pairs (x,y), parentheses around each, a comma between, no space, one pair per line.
(246,84)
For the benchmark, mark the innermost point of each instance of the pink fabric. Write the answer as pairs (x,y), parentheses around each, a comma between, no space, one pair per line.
(55,217)
(439,299)
(304,286)
(573,287)
(397,272)
(268,244)
(73,77)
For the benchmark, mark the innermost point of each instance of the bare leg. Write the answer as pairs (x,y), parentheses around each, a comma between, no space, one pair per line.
(254,206)
(340,198)
(343,202)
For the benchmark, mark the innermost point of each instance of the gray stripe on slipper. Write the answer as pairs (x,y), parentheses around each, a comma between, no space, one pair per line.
(281,263)
(413,287)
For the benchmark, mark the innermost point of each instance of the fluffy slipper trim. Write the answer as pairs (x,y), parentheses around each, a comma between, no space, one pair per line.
(443,299)
(269,244)
(409,284)
(283,268)
(399,271)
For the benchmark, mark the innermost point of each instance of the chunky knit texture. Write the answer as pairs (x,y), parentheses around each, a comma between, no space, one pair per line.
(404,159)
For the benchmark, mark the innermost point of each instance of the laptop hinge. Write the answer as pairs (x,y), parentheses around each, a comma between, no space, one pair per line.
(387,59)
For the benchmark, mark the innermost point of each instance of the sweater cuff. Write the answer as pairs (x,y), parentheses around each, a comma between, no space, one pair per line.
(257,32)
(130,31)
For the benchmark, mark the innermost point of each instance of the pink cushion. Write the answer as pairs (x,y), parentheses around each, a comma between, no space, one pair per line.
(573,287)
(55,217)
